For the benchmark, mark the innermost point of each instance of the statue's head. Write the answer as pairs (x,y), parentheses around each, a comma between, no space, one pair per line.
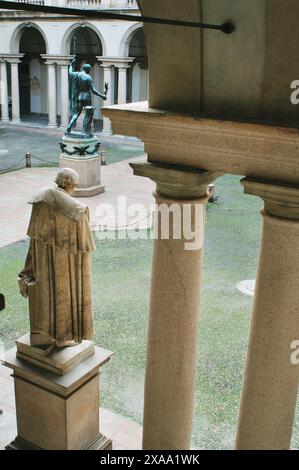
(86,68)
(67,179)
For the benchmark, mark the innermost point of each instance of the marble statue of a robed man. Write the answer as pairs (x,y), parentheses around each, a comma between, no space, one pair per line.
(57,272)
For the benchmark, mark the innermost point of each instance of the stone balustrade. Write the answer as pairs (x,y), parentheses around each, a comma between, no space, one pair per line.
(132,4)
(103,4)
(83,3)
(97,4)
(35,2)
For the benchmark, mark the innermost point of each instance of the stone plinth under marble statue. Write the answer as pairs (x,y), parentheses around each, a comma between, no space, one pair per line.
(56,365)
(82,154)
(57,410)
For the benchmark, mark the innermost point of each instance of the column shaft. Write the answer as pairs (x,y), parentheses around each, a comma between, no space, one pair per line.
(15,93)
(172,338)
(52,109)
(107,128)
(174,304)
(271,380)
(4,93)
(64,95)
(122,85)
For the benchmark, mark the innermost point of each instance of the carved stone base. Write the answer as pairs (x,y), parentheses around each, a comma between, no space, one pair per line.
(20,444)
(100,442)
(86,165)
(89,192)
(57,360)
(57,412)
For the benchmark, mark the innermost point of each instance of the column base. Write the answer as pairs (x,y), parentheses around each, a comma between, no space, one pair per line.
(15,122)
(100,442)
(107,127)
(52,126)
(106,133)
(4,120)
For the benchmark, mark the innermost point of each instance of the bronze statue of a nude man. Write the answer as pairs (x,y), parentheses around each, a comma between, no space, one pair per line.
(81,87)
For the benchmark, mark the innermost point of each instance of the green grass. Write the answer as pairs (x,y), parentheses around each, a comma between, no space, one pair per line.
(44,148)
(121,280)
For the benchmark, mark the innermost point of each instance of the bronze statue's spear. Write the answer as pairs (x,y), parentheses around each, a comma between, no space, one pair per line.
(74,45)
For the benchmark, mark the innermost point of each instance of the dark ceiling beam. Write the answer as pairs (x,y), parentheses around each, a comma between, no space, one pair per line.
(226,28)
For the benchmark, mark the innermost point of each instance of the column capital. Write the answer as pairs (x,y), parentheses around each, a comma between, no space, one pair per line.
(11,58)
(63,59)
(123,65)
(105,63)
(51,71)
(176,181)
(281,199)
(143,65)
(57,59)
(120,62)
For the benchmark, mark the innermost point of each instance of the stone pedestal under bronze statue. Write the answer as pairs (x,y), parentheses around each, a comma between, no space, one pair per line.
(82,154)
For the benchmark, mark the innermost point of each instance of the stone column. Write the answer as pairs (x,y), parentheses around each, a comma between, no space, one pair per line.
(52,109)
(64,94)
(107,66)
(174,306)
(64,91)
(4,92)
(107,63)
(122,84)
(15,91)
(143,93)
(271,380)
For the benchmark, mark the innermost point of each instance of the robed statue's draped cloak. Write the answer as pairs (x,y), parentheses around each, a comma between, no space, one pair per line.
(57,272)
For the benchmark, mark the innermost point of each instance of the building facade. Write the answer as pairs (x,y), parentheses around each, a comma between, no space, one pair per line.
(36,50)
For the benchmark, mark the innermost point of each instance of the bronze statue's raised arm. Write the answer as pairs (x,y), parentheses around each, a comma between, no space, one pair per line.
(96,92)
(72,67)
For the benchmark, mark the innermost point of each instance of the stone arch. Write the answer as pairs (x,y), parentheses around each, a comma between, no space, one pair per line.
(125,42)
(16,36)
(65,43)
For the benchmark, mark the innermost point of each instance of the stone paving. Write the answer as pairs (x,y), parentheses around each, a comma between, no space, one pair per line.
(16,189)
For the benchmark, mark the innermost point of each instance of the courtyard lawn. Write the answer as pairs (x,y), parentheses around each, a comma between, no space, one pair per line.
(121,279)
(44,148)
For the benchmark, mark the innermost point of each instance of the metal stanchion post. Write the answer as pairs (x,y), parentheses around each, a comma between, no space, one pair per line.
(28,160)
(103,157)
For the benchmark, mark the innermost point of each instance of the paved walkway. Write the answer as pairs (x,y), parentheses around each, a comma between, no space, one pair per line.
(17,187)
